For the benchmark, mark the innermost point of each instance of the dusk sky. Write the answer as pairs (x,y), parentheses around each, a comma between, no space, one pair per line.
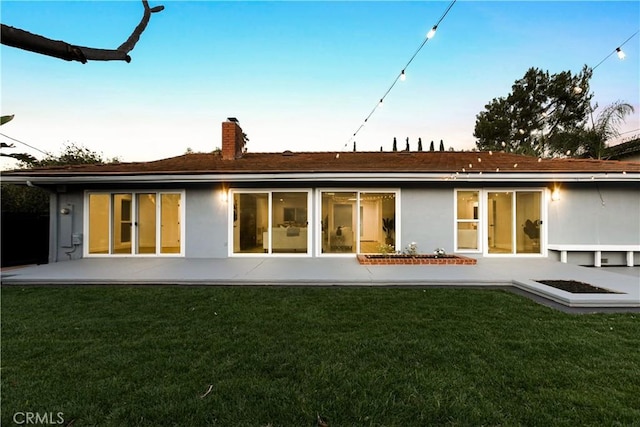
(299,76)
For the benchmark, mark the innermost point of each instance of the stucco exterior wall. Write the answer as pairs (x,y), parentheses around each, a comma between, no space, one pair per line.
(591,213)
(206,223)
(63,226)
(595,214)
(427,218)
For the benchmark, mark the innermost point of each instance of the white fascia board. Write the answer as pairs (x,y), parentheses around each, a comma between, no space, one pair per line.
(498,177)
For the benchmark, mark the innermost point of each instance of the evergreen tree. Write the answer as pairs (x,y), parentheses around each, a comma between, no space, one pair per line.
(540,113)
(419,144)
(395,144)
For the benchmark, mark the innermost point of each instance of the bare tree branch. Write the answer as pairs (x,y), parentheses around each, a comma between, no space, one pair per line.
(25,40)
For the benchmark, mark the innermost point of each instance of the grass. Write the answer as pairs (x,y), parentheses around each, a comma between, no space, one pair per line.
(144,356)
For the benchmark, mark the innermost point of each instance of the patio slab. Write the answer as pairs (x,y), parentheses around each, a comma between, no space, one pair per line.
(338,271)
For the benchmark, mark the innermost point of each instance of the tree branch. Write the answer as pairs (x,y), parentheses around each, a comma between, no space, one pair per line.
(25,40)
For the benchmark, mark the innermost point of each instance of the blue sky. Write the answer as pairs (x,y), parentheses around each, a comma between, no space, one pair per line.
(298,75)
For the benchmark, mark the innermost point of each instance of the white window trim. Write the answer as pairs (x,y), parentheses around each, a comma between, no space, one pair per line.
(134,236)
(479,221)
(269,191)
(544,205)
(358,191)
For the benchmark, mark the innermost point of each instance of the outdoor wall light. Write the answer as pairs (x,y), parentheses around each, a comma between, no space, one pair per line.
(555,194)
(224,196)
(65,211)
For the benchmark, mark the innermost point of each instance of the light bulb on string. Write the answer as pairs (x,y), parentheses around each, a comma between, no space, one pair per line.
(620,53)
(432,32)
(402,76)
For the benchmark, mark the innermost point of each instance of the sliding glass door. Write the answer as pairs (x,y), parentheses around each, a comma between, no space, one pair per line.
(147,223)
(357,221)
(134,223)
(270,222)
(514,219)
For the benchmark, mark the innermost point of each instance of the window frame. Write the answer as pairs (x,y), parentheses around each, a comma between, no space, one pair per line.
(269,192)
(544,204)
(359,191)
(479,221)
(134,221)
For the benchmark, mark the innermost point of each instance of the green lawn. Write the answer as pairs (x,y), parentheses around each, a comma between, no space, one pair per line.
(144,356)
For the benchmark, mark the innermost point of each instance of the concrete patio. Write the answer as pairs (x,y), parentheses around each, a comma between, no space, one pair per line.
(515,274)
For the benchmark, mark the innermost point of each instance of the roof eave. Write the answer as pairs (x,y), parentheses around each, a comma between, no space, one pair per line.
(497,177)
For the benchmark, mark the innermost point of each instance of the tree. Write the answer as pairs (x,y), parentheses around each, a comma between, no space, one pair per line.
(538,114)
(21,157)
(18,198)
(441,145)
(591,141)
(605,127)
(395,144)
(72,154)
(25,40)
(419,144)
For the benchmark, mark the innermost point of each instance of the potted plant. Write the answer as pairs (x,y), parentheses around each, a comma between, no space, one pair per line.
(388,226)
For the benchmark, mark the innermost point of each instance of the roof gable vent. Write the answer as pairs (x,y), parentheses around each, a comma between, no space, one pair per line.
(287,153)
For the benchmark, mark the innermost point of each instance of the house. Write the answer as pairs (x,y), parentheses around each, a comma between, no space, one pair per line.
(628,151)
(234,203)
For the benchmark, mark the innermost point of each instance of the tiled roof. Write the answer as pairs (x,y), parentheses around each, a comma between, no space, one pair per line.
(625,149)
(343,162)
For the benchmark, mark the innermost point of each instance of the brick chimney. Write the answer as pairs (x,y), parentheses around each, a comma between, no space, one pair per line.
(232,139)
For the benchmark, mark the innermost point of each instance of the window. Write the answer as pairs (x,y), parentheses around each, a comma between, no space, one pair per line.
(99,223)
(514,219)
(274,222)
(467,220)
(354,221)
(170,223)
(147,223)
(121,242)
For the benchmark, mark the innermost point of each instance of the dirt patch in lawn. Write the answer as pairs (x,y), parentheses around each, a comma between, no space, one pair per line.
(576,287)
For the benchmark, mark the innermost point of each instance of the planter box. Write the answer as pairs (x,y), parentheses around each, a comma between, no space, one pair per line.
(415,260)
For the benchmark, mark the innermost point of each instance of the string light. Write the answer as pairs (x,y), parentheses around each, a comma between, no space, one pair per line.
(402,75)
(24,143)
(432,32)
(617,50)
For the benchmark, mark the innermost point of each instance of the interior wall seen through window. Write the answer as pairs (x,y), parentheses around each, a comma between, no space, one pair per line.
(99,223)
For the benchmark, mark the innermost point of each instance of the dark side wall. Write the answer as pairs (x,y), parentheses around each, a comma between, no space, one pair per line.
(25,238)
